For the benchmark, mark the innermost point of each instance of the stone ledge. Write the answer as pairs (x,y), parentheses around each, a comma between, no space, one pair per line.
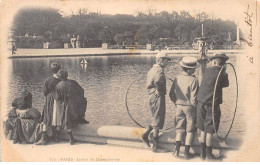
(131,137)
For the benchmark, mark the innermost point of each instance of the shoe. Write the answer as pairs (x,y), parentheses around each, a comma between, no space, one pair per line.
(84,121)
(56,139)
(146,141)
(176,154)
(17,141)
(187,156)
(42,142)
(211,157)
(72,140)
(159,149)
(209,154)
(55,136)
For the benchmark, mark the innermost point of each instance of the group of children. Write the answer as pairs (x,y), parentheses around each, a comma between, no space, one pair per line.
(193,102)
(65,107)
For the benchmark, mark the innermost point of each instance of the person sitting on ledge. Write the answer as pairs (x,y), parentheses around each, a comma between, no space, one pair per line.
(22,120)
(71,104)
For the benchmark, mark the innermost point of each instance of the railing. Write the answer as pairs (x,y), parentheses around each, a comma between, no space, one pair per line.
(227,47)
(178,47)
(174,47)
(127,46)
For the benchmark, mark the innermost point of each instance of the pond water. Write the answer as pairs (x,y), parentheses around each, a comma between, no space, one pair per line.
(106,79)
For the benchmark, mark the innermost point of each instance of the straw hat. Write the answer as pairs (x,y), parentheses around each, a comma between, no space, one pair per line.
(189,62)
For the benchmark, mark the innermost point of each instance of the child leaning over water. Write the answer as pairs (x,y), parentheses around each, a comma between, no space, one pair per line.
(184,95)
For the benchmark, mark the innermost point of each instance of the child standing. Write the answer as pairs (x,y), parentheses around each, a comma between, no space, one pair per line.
(205,97)
(183,93)
(156,85)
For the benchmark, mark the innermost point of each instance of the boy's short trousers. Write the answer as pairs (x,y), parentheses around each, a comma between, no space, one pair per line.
(204,117)
(185,119)
(157,106)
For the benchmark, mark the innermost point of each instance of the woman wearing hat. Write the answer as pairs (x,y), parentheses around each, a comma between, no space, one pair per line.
(205,97)
(48,114)
(184,95)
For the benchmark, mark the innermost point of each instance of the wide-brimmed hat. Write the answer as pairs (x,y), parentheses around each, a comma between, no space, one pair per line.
(163,55)
(189,62)
(219,55)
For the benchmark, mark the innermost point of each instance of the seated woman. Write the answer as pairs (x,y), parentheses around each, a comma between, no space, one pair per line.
(70,103)
(22,120)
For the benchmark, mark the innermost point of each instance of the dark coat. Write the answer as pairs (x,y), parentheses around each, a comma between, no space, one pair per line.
(22,120)
(205,97)
(207,86)
(71,103)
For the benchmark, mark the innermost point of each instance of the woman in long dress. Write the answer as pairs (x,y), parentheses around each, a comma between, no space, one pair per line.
(71,104)
(49,110)
(22,120)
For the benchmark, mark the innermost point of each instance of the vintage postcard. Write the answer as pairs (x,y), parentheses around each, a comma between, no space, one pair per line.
(130,81)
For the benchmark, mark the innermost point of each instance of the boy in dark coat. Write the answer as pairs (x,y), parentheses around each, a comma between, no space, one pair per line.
(205,97)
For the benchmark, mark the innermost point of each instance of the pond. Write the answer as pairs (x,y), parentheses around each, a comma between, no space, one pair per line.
(105,80)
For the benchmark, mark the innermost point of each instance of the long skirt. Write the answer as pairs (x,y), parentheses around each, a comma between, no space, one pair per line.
(48,110)
(23,130)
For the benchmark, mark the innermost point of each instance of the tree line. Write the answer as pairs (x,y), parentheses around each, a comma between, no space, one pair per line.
(174,28)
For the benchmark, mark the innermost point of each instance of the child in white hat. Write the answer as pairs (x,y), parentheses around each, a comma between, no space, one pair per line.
(184,95)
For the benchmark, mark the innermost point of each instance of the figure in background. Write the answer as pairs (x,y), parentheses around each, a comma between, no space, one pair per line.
(71,104)
(203,49)
(156,85)
(22,120)
(13,49)
(49,110)
(184,95)
(205,97)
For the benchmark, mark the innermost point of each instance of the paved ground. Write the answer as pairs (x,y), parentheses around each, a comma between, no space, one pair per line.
(83,152)
(100,51)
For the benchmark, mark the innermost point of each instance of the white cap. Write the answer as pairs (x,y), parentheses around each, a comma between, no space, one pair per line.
(163,55)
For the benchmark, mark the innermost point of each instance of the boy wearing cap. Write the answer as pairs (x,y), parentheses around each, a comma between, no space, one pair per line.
(205,97)
(156,85)
(184,95)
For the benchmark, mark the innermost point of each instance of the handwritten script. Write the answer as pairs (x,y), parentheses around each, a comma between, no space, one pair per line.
(249,22)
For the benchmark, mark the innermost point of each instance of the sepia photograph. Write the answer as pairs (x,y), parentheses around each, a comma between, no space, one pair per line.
(130,81)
